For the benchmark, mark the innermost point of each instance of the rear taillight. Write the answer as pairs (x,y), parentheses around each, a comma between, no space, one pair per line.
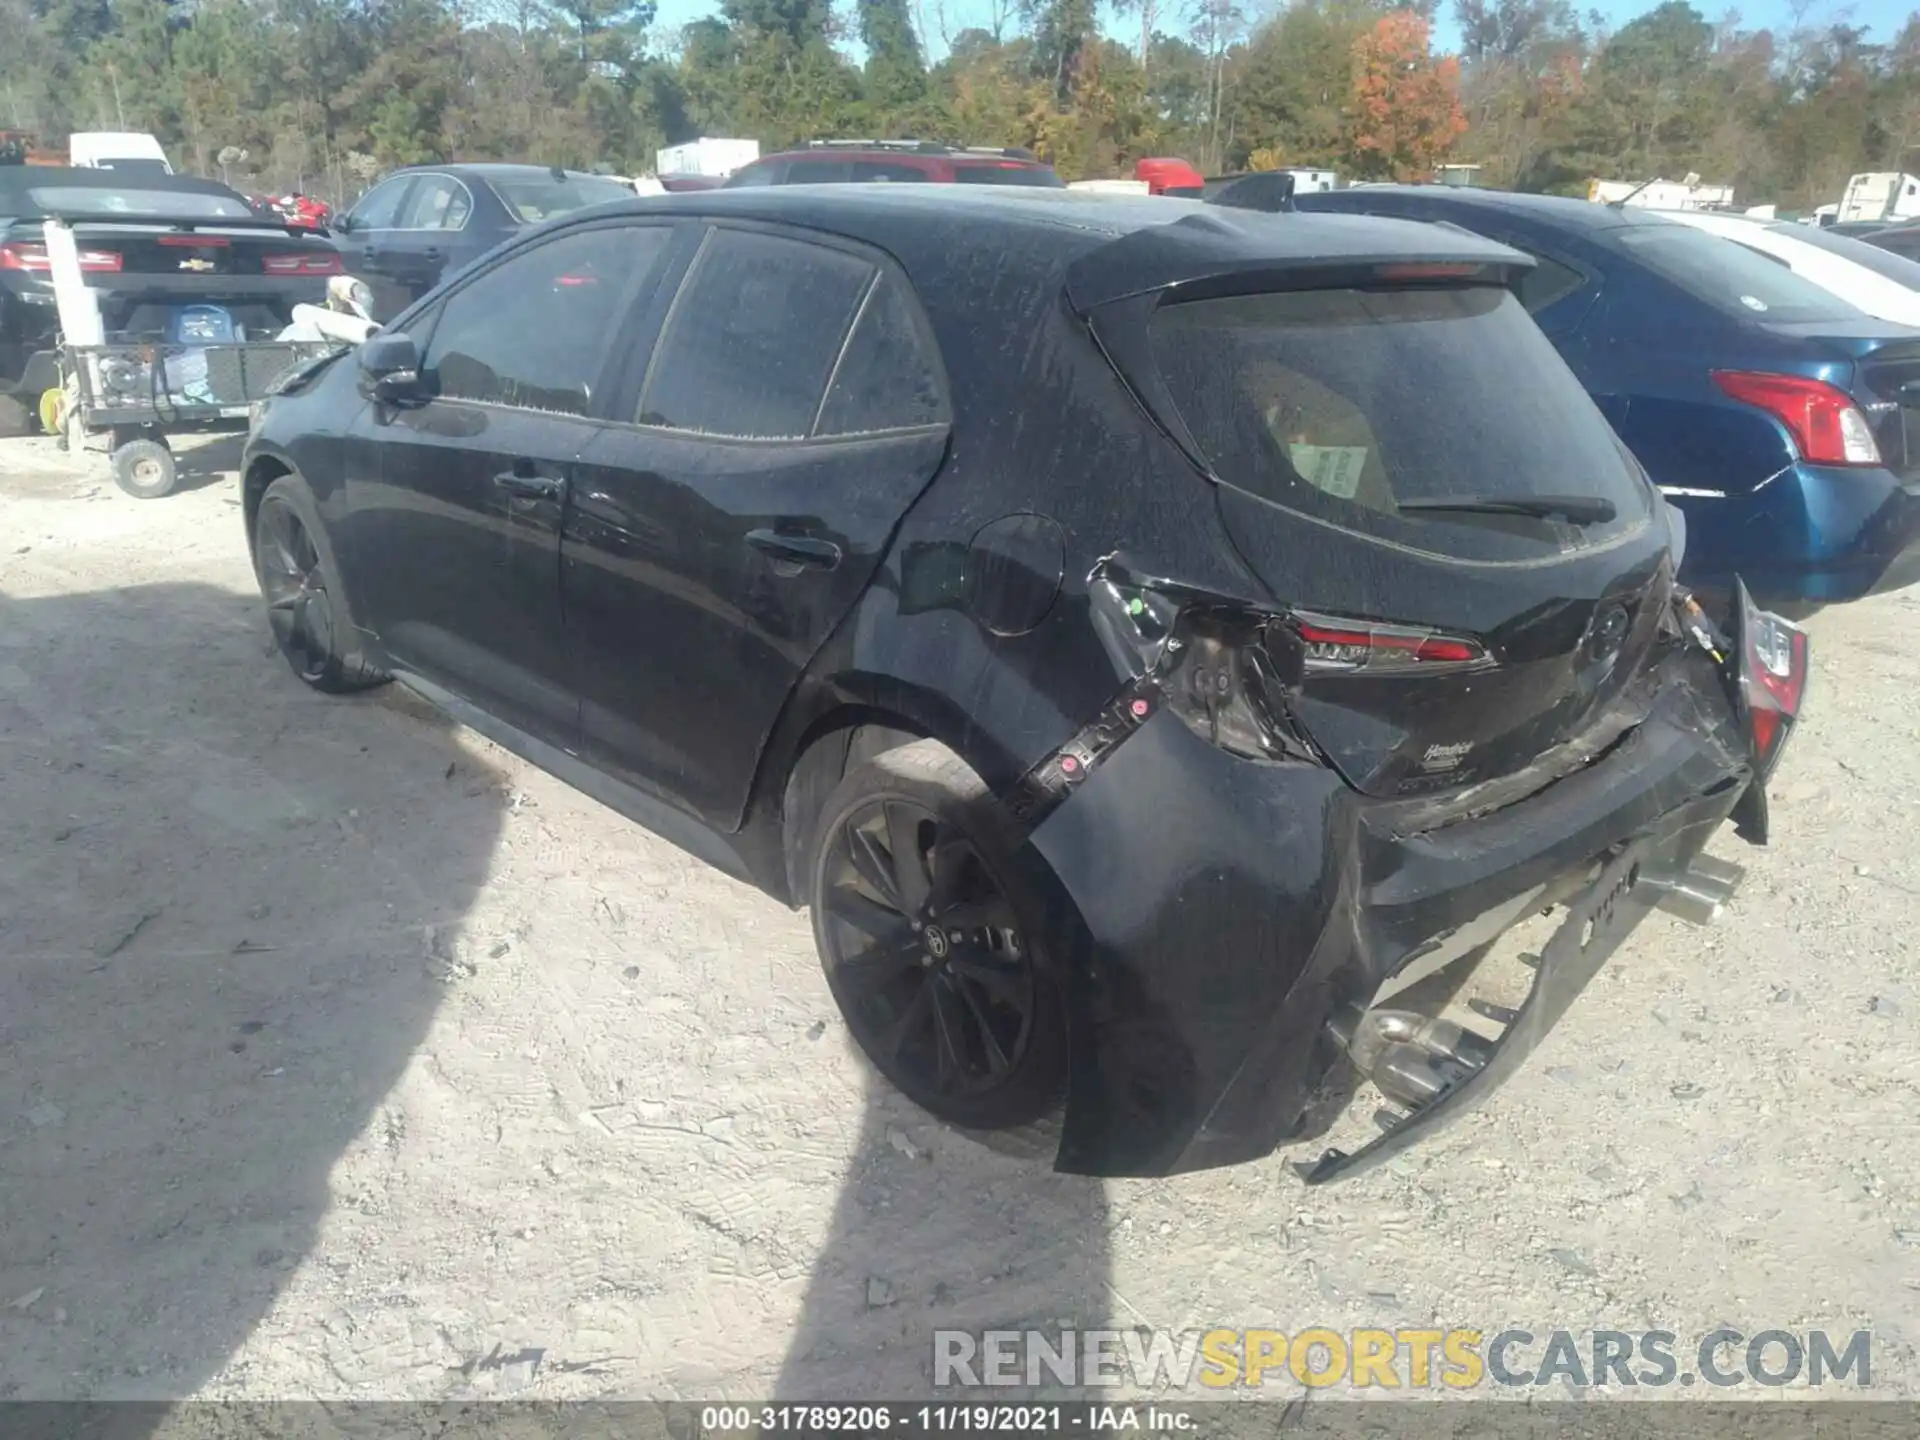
(307,264)
(33,259)
(1333,644)
(1826,426)
(1227,668)
(1773,679)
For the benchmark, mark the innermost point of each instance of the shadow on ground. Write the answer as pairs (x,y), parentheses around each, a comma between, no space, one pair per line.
(973,1237)
(221,897)
(207,463)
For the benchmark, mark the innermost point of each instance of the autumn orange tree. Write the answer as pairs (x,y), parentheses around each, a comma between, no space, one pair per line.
(1406,104)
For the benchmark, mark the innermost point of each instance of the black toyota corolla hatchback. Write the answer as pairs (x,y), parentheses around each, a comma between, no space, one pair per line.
(1148,637)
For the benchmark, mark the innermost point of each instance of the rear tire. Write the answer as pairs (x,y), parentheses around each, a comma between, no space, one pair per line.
(144,469)
(315,634)
(930,941)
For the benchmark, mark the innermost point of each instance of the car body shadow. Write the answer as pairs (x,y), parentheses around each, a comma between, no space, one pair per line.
(939,1230)
(225,903)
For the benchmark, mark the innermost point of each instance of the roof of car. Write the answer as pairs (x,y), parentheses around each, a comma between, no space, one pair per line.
(497,170)
(1051,229)
(1555,209)
(18,181)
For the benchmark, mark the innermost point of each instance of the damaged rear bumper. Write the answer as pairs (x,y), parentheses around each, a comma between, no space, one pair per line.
(1217,916)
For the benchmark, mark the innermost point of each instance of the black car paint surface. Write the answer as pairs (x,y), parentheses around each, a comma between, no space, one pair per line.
(424,223)
(691,625)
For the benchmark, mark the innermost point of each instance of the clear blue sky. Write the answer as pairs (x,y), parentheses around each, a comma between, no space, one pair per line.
(1882,17)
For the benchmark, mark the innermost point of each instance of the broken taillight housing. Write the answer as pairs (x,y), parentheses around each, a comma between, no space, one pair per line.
(1226,667)
(1773,668)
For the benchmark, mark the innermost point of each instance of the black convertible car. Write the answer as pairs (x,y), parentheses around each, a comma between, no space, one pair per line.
(1160,643)
(150,247)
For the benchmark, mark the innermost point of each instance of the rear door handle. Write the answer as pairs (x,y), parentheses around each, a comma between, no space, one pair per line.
(432,252)
(795,549)
(522,483)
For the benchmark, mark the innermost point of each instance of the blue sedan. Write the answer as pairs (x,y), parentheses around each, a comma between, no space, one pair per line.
(1783,422)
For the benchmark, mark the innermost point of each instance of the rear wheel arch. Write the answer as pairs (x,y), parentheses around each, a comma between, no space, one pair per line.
(264,470)
(835,742)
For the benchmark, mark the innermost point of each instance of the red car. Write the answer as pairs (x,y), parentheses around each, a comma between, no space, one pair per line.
(829,162)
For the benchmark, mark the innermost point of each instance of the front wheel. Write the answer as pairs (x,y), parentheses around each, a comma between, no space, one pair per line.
(310,623)
(928,945)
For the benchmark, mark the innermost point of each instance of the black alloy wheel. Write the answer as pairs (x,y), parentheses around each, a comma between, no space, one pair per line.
(293,582)
(925,956)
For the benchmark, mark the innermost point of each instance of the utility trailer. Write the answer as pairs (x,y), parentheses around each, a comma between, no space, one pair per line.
(134,392)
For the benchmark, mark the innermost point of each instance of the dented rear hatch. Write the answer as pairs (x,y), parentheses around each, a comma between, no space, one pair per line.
(1469,566)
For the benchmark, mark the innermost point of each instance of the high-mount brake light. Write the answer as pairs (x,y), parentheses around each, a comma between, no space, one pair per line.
(196,242)
(34,260)
(1826,426)
(1428,271)
(1333,644)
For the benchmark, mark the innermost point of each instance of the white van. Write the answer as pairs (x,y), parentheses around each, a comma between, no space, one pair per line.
(127,150)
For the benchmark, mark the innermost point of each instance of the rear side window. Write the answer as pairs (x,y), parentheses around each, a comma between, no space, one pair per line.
(534,332)
(1006,172)
(817,172)
(1548,282)
(886,170)
(753,337)
(1343,404)
(1728,276)
(887,378)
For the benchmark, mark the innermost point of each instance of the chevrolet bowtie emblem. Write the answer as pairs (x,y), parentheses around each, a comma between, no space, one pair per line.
(196,264)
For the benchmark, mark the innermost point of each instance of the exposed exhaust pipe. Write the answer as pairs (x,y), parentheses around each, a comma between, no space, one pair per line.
(1697,893)
(1412,1059)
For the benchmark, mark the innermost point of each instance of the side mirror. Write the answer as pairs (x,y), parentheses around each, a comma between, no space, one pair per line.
(390,367)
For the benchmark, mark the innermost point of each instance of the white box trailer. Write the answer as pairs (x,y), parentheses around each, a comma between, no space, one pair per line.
(1661,194)
(1880,195)
(1306,182)
(708,155)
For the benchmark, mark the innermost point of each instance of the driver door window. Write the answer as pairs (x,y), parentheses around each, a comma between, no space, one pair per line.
(534,333)
(379,208)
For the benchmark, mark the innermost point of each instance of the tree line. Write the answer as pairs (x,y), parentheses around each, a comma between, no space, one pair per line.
(323,95)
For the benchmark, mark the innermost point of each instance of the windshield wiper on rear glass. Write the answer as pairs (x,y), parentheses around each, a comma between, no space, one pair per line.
(1575,509)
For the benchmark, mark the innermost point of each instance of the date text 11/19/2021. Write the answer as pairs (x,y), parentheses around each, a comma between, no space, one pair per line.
(943,1419)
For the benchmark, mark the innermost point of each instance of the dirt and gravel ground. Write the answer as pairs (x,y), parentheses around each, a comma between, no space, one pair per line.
(343,1055)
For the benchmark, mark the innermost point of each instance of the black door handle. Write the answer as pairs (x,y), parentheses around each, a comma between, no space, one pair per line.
(432,253)
(523,484)
(795,549)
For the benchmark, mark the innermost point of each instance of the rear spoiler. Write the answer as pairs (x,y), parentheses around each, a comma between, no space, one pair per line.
(168,222)
(1222,250)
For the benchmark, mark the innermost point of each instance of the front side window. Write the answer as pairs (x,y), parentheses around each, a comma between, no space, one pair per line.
(534,333)
(380,206)
(753,337)
(1347,404)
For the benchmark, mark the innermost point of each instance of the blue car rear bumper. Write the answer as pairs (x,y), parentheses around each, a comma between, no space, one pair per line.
(1812,534)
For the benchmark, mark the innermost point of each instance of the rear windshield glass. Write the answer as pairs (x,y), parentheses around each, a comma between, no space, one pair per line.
(534,200)
(161,204)
(1883,263)
(1730,277)
(993,173)
(1343,404)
